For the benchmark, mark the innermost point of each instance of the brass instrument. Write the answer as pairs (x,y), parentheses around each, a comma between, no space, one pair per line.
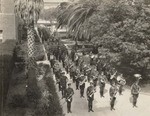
(69,97)
(121,80)
(81,83)
(91,93)
(112,76)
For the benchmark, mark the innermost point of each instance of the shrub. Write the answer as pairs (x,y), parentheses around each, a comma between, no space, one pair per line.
(53,108)
(6,66)
(33,91)
(18,101)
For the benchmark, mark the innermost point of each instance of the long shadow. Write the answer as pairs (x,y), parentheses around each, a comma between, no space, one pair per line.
(102,109)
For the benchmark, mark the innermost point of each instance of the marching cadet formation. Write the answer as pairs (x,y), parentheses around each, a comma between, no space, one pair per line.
(80,73)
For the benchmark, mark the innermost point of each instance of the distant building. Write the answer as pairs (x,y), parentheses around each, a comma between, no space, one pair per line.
(54,3)
(7,20)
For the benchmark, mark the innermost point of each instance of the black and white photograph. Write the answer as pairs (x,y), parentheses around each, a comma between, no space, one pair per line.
(74,57)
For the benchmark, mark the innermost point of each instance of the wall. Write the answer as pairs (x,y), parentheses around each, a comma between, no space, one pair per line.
(8,20)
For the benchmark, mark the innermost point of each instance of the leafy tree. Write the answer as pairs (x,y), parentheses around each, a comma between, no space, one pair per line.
(123,30)
(121,27)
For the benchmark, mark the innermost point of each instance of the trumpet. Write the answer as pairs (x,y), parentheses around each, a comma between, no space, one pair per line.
(91,93)
(112,76)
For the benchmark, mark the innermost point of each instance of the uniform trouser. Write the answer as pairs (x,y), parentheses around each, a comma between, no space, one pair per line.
(59,86)
(112,102)
(63,63)
(67,69)
(102,90)
(74,79)
(77,84)
(82,89)
(71,76)
(90,104)
(68,106)
(63,91)
(135,96)
(120,89)
(95,83)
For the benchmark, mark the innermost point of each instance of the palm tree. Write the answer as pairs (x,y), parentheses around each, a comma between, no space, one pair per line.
(28,11)
(76,17)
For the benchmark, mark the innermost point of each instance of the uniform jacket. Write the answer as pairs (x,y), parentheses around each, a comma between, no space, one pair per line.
(113,91)
(135,89)
(90,90)
(63,81)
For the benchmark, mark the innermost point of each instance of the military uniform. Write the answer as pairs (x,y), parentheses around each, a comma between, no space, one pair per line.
(82,85)
(69,94)
(102,82)
(135,88)
(58,76)
(90,96)
(121,82)
(77,81)
(63,82)
(72,69)
(112,92)
(66,64)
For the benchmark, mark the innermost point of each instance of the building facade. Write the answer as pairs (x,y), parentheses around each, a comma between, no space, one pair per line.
(8,27)
(54,3)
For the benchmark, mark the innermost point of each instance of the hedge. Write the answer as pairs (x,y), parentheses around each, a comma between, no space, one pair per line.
(53,108)
(6,67)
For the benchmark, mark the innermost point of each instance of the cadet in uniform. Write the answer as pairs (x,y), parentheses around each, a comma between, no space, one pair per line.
(69,94)
(58,76)
(135,89)
(121,82)
(82,81)
(63,82)
(90,96)
(112,92)
(102,81)
(77,81)
(82,85)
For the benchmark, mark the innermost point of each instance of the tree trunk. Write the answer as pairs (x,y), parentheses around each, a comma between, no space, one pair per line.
(32,88)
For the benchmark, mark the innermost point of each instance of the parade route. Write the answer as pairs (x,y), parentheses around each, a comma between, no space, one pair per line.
(101,106)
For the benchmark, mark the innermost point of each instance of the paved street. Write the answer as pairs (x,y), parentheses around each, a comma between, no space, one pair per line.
(101,106)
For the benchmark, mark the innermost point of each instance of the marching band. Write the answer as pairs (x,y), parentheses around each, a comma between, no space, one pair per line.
(81,73)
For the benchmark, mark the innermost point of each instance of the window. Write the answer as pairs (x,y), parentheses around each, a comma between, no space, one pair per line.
(1,35)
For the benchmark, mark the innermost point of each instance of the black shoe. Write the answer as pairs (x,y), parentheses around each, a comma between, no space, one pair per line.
(83,96)
(135,106)
(88,110)
(113,108)
(70,111)
(92,110)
